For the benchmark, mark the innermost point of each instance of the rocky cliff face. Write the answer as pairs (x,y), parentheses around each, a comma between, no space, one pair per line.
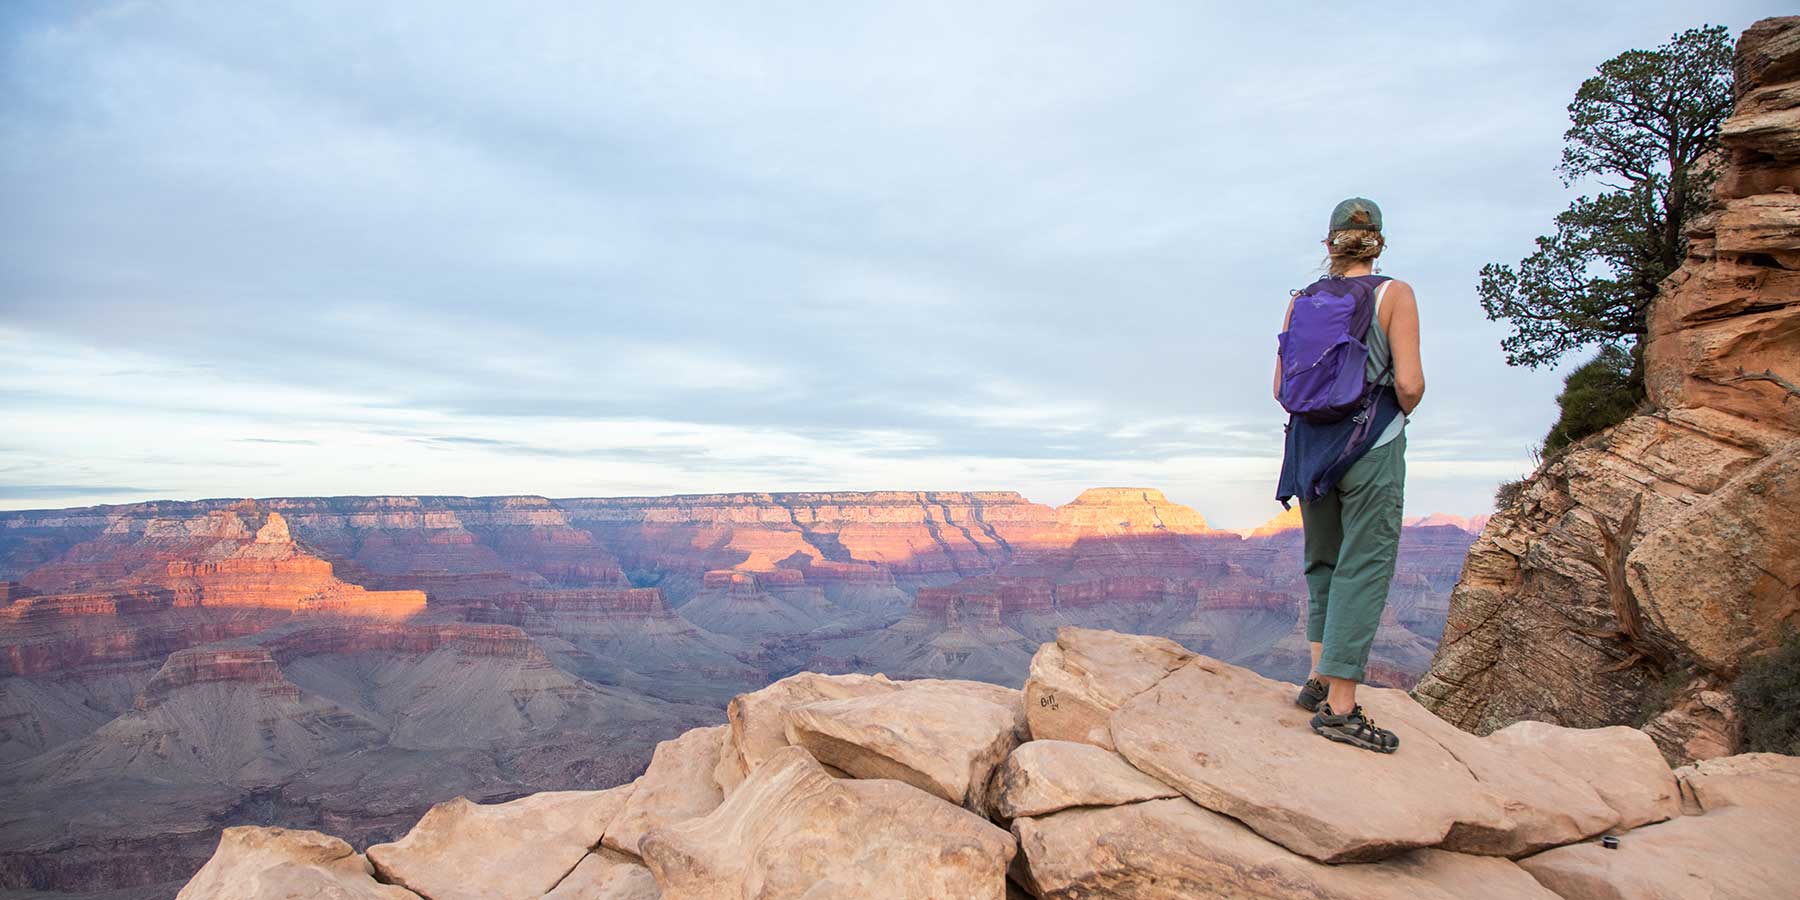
(1640,569)
(1127,767)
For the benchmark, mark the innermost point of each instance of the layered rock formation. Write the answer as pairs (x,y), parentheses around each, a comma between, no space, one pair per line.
(170,668)
(1640,569)
(1127,767)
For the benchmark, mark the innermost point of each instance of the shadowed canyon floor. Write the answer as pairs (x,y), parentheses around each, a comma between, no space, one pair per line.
(1189,778)
(340,664)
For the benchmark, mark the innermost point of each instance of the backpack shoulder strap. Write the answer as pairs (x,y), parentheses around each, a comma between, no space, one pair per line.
(1365,305)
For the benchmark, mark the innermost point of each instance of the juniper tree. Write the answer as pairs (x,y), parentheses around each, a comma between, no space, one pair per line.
(1644,132)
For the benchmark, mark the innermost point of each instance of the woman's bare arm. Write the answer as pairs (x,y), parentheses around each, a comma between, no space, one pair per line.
(1400,312)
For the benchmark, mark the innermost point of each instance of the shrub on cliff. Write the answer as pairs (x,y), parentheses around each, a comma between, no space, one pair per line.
(1602,393)
(1768,697)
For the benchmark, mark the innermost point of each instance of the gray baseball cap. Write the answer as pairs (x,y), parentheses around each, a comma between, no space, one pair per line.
(1341,215)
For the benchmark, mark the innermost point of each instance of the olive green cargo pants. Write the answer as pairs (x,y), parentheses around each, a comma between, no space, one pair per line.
(1352,539)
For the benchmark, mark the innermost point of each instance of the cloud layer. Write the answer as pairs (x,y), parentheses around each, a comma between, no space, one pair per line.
(272,249)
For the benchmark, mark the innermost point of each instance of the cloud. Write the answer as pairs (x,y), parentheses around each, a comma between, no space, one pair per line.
(59,491)
(468,249)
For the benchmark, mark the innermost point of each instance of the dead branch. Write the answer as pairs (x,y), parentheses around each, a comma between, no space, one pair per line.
(1766,375)
(1609,561)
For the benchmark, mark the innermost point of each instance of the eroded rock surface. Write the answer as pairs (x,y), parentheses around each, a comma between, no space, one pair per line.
(1175,850)
(255,863)
(1217,788)
(678,785)
(943,742)
(1741,848)
(1746,779)
(1042,777)
(524,848)
(1621,764)
(1690,500)
(1079,680)
(1235,743)
(607,875)
(790,830)
(759,723)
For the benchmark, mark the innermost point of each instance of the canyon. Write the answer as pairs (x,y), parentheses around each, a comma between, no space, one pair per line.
(172,669)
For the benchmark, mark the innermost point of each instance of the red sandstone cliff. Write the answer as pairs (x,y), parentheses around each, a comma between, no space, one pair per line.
(1662,550)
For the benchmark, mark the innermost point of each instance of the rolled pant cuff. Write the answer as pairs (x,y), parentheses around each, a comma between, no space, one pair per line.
(1332,669)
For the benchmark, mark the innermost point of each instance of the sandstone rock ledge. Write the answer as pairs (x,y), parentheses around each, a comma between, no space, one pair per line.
(1128,767)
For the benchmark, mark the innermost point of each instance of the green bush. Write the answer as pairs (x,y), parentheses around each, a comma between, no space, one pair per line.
(1603,392)
(1768,697)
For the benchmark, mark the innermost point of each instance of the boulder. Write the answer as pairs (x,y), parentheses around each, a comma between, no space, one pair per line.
(1718,580)
(1739,843)
(1621,764)
(470,851)
(1748,778)
(257,863)
(607,875)
(1543,804)
(1175,850)
(678,785)
(937,741)
(1741,852)
(758,726)
(791,831)
(1235,743)
(1077,682)
(1042,777)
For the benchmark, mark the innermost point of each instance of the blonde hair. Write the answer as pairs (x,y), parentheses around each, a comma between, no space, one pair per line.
(1348,245)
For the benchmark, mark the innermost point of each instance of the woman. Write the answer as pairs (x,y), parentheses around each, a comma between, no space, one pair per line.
(1350,473)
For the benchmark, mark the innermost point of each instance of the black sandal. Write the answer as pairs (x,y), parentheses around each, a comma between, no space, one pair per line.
(1355,729)
(1312,693)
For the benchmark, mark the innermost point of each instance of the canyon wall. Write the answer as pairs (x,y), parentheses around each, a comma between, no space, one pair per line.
(1640,569)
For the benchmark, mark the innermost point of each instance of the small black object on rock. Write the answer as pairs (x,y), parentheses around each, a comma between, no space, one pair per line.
(1610,842)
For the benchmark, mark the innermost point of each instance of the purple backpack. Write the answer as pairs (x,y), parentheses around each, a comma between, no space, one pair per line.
(1324,361)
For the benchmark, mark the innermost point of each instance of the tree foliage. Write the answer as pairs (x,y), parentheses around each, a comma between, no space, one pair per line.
(1596,396)
(1768,696)
(1645,130)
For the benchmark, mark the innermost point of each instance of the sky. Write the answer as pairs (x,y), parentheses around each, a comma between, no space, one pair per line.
(577,249)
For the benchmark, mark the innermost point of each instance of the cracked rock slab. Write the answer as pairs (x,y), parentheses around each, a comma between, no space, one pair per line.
(1741,851)
(1747,778)
(791,831)
(469,851)
(939,741)
(607,875)
(758,726)
(678,785)
(1542,803)
(1175,850)
(1077,682)
(1042,777)
(1621,764)
(257,863)
(1235,743)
